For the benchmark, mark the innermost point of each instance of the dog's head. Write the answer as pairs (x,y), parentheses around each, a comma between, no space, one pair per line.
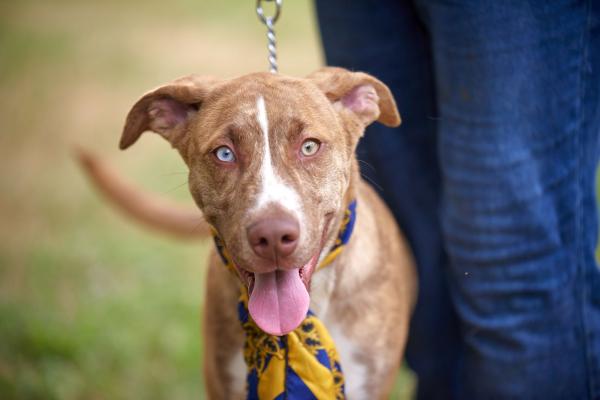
(270,162)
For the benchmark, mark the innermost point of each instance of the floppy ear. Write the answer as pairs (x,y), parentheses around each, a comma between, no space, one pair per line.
(166,110)
(364,96)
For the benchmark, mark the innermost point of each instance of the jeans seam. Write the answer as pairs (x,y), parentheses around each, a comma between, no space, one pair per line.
(580,247)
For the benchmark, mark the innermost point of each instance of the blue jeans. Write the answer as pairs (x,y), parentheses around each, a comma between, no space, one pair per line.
(491,177)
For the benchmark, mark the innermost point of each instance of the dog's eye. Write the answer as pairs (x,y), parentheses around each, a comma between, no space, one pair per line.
(225,154)
(310,147)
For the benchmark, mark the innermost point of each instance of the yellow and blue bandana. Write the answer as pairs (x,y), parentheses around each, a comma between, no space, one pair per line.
(302,365)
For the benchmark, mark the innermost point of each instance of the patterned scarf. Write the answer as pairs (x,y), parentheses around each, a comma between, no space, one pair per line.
(304,364)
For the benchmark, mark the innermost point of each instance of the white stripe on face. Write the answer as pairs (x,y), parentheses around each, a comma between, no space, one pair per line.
(272,188)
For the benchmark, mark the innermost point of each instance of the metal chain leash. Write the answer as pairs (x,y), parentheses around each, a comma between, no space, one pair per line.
(270,21)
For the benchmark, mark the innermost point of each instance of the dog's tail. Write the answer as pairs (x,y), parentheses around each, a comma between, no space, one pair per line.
(149,209)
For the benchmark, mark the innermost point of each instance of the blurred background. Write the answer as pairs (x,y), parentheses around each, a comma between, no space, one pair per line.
(91,305)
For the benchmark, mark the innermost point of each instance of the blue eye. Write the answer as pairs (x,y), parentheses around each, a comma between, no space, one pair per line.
(225,154)
(310,147)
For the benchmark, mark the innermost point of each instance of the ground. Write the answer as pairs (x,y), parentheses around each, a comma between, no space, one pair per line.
(91,305)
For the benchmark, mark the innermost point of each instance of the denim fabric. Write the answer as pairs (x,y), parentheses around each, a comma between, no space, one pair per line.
(491,177)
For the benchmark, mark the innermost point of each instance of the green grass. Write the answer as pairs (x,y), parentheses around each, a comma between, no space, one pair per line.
(92,306)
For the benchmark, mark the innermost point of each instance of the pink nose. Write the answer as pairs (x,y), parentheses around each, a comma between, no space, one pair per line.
(274,238)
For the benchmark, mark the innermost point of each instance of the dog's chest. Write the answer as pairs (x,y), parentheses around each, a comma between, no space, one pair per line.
(355,371)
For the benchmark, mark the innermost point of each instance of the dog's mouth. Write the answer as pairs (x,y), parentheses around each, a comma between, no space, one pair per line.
(279,299)
(305,273)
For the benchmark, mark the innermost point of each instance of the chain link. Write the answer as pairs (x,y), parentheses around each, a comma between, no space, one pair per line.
(270,21)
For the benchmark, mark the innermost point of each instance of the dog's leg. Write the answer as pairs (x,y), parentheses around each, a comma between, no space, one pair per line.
(224,370)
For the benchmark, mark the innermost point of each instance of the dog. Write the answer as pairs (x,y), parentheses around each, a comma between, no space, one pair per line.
(272,167)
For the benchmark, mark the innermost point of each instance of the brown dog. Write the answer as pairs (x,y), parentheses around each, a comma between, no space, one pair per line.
(272,167)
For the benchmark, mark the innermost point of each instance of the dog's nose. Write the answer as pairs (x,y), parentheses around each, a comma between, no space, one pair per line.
(274,238)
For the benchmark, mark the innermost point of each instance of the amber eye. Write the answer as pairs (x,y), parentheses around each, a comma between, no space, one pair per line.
(225,154)
(310,147)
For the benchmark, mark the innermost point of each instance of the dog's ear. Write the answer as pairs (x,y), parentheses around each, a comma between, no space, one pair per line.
(364,96)
(166,110)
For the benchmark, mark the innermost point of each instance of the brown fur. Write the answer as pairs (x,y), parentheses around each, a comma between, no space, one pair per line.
(368,293)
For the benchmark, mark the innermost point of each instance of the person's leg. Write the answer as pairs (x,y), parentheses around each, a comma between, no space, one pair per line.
(517,89)
(386,39)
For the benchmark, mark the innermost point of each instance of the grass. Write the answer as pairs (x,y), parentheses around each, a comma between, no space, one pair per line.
(91,306)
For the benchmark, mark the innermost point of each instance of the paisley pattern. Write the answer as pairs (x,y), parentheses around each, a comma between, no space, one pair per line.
(303,364)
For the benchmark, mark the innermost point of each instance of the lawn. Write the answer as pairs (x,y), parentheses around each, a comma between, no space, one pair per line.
(91,305)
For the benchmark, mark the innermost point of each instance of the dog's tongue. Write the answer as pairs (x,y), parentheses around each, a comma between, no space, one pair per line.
(279,301)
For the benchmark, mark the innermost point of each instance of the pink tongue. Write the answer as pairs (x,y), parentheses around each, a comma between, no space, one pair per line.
(279,301)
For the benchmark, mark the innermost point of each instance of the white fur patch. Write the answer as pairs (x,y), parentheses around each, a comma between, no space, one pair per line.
(273,189)
(355,373)
(237,372)
(321,287)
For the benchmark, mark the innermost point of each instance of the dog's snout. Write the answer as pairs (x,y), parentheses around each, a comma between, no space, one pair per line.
(274,238)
